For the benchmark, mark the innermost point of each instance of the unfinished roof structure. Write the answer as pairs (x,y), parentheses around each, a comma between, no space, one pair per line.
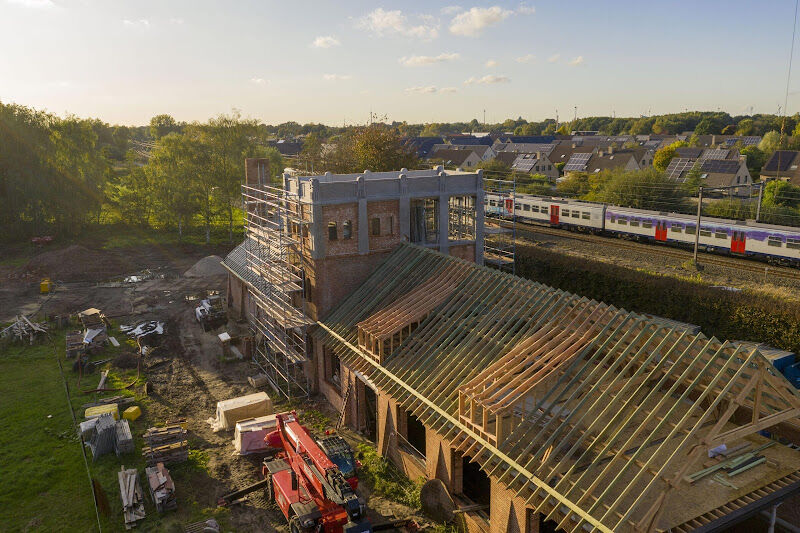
(596,417)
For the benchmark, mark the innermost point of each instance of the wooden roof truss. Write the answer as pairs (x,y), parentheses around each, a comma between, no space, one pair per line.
(592,414)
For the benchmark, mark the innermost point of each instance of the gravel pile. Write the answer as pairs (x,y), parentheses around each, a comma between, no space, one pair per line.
(206,267)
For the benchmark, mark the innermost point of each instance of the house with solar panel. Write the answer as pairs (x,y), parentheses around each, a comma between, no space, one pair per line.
(783,165)
(535,163)
(608,159)
(713,172)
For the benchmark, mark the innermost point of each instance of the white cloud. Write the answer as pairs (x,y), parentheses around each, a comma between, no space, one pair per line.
(472,23)
(577,61)
(36,4)
(336,77)
(141,23)
(325,41)
(421,90)
(526,59)
(554,58)
(259,81)
(381,22)
(487,80)
(448,90)
(491,63)
(419,61)
(525,9)
(451,10)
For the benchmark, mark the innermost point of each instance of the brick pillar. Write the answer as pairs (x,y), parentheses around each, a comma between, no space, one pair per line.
(439,457)
(509,513)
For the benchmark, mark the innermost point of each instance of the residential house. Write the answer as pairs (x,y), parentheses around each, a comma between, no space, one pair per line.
(783,165)
(484,152)
(457,158)
(713,172)
(423,145)
(536,163)
(611,159)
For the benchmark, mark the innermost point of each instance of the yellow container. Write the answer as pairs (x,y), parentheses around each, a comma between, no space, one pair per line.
(94,412)
(44,286)
(132,413)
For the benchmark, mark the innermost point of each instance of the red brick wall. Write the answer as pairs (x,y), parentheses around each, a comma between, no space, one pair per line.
(388,212)
(334,278)
(508,512)
(340,214)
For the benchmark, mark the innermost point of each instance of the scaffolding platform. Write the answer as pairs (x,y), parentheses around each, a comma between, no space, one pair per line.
(275,221)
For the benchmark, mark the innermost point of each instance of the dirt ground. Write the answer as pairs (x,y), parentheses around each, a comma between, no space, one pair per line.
(187,375)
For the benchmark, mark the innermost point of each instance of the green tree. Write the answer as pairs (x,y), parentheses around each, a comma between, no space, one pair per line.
(769,142)
(376,148)
(172,172)
(755,159)
(161,125)
(664,155)
(312,151)
(781,193)
(642,189)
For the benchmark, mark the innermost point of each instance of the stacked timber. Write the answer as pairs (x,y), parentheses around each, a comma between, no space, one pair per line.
(162,489)
(104,437)
(124,441)
(75,346)
(166,445)
(132,499)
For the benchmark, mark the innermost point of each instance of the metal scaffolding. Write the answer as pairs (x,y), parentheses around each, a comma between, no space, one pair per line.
(275,228)
(500,237)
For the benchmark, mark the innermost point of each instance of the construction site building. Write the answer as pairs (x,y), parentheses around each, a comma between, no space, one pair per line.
(312,240)
(537,409)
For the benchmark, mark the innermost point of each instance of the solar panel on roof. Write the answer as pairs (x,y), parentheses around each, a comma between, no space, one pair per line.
(726,166)
(578,161)
(785,157)
(678,166)
(715,153)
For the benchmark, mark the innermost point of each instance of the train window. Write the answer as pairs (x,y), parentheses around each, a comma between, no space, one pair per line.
(586,216)
(613,219)
(705,232)
(565,212)
(545,210)
(774,241)
(576,214)
(623,221)
(793,244)
(485,200)
(675,228)
(493,203)
(526,207)
(535,208)
(518,207)
(721,234)
(635,222)
(691,230)
(647,224)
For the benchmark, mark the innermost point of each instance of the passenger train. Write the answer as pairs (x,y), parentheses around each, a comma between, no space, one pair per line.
(744,238)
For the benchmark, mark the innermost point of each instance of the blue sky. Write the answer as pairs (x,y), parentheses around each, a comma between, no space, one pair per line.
(333,62)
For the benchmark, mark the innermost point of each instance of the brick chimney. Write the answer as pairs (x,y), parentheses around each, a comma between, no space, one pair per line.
(256,171)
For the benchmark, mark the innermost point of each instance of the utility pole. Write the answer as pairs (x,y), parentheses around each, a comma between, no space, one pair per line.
(760,194)
(484,119)
(697,230)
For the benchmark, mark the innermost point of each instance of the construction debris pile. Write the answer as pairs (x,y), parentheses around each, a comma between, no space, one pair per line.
(132,499)
(162,489)
(23,330)
(95,328)
(166,444)
(143,329)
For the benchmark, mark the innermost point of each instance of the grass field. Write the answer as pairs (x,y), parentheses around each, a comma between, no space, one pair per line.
(45,486)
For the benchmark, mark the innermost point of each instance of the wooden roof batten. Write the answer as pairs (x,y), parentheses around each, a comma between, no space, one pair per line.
(610,409)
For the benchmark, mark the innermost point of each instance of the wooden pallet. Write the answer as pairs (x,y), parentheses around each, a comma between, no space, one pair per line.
(132,498)
(162,489)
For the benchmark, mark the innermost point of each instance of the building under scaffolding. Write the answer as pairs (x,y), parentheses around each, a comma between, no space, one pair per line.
(310,242)
(274,226)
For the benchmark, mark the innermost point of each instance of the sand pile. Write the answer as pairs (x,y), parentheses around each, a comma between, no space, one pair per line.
(73,263)
(207,267)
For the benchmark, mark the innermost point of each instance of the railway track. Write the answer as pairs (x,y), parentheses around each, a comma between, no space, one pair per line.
(712,259)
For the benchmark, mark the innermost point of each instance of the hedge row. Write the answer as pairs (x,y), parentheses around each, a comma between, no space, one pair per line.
(724,314)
